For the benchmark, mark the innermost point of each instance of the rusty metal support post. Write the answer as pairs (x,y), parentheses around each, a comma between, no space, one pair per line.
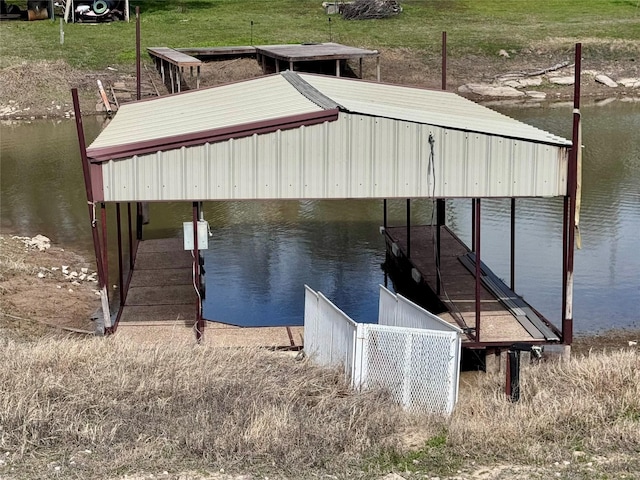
(120,265)
(444,60)
(138,74)
(440,222)
(473,224)
(513,244)
(130,231)
(572,184)
(105,243)
(408,228)
(196,272)
(384,213)
(478,266)
(92,213)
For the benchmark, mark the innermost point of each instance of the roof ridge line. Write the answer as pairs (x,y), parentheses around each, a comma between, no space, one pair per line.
(309,92)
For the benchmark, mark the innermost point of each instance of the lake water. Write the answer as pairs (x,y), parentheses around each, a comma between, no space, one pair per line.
(261,254)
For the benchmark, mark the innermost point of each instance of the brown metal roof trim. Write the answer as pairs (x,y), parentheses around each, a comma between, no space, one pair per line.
(102,154)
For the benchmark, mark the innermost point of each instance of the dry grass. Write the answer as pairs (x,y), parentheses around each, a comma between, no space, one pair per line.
(590,403)
(102,408)
(158,408)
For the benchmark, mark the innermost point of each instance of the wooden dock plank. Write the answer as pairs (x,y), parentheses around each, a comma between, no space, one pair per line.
(167,295)
(314,52)
(175,57)
(458,294)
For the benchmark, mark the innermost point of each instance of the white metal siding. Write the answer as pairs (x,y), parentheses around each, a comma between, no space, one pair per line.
(357,156)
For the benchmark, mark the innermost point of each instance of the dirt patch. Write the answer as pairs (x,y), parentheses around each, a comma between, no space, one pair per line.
(42,89)
(36,294)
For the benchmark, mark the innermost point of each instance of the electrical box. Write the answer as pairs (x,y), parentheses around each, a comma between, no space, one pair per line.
(203,235)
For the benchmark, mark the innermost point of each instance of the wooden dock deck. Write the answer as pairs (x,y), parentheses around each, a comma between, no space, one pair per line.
(499,324)
(161,305)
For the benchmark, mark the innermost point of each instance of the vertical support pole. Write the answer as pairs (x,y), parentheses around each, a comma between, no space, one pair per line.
(565,249)
(138,74)
(572,184)
(384,213)
(378,68)
(105,240)
(444,60)
(408,228)
(337,68)
(91,205)
(513,244)
(291,65)
(196,270)
(440,222)
(473,224)
(478,264)
(360,68)
(513,375)
(120,266)
(130,231)
(138,221)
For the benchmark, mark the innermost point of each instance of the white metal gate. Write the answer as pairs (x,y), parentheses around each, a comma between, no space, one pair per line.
(418,366)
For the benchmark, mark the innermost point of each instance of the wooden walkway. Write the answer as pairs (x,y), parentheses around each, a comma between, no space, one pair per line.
(274,58)
(499,324)
(175,62)
(293,55)
(161,305)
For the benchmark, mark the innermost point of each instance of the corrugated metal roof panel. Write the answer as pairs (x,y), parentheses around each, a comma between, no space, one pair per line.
(240,103)
(431,107)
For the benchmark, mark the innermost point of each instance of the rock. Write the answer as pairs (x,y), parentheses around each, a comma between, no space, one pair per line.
(632,343)
(84,270)
(464,89)
(536,95)
(562,80)
(493,91)
(40,274)
(630,82)
(523,82)
(40,242)
(504,53)
(603,79)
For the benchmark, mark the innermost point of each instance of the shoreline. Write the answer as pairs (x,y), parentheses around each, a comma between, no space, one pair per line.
(530,80)
(40,274)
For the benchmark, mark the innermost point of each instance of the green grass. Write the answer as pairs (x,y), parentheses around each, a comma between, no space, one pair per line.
(475,27)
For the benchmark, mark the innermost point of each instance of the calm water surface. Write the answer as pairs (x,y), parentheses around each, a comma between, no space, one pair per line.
(262,253)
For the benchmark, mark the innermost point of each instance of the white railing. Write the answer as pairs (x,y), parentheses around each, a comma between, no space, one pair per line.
(418,366)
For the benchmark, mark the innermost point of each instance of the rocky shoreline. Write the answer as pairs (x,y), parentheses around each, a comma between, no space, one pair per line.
(41,89)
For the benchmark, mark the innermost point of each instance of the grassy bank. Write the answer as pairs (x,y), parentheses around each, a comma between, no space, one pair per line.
(102,408)
(476,28)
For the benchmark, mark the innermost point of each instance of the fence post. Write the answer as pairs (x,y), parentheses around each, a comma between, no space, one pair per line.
(359,371)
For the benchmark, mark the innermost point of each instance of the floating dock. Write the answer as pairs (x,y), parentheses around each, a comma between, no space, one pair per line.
(161,304)
(505,317)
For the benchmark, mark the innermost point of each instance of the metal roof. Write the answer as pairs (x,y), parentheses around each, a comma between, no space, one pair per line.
(429,107)
(177,119)
(295,135)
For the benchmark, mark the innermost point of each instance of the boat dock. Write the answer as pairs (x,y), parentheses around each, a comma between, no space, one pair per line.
(161,304)
(505,317)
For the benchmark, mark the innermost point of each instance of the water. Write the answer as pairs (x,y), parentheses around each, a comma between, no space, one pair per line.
(261,254)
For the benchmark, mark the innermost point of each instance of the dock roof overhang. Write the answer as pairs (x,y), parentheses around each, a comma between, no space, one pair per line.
(292,135)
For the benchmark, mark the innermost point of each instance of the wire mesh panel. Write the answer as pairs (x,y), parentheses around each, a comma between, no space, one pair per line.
(418,367)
